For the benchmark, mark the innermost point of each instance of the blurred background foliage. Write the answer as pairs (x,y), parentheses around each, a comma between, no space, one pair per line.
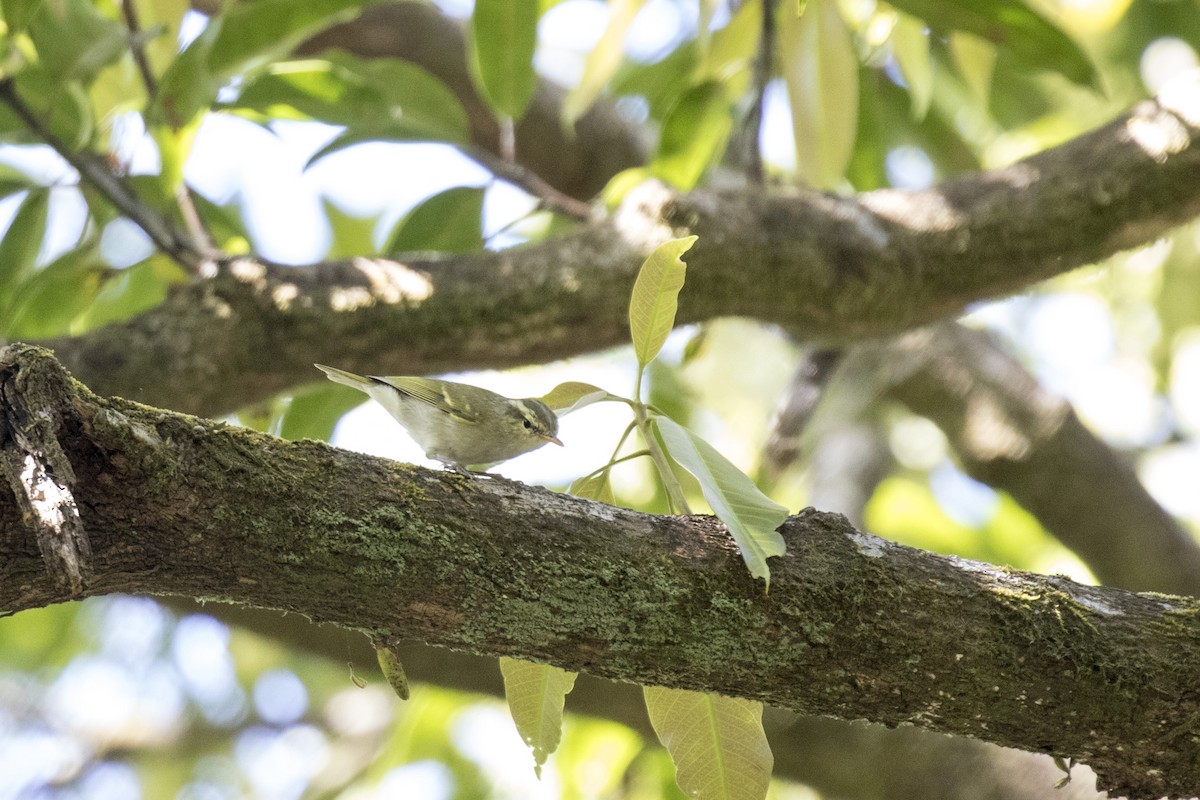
(306,159)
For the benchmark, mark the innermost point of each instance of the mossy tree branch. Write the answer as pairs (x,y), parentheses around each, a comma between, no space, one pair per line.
(854,627)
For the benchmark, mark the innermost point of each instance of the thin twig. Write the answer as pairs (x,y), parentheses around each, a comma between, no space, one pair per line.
(520,176)
(764,70)
(135,46)
(95,171)
(183,193)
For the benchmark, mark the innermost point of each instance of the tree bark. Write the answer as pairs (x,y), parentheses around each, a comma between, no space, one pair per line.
(854,627)
(824,267)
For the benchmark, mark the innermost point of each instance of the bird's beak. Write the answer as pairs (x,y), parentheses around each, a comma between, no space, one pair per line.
(553,439)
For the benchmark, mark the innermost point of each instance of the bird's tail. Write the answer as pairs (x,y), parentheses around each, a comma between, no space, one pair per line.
(346,378)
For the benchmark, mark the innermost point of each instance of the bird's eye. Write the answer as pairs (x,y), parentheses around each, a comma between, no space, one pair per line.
(528,425)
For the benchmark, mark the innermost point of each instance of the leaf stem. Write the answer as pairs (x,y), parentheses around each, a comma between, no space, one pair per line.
(641,413)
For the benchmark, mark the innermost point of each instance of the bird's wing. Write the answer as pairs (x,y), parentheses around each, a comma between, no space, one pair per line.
(430,391)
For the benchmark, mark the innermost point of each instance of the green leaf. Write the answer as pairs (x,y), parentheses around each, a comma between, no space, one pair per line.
(693,135)
(382,98)
(18,13)
(393,671)
(74,41)
(536,693)
(503,37)
(751,516)
(594,487)
(450,222)
(314,413)
(732,50)
(717,743)
(975,60)
(22,241)
(572,396)
(655,298)
(352,235)
(910,46)
(242,37)
(134,290)
(602,62)
(13,180)
(660,83)
(46,304)
(821,72)
(1013,26)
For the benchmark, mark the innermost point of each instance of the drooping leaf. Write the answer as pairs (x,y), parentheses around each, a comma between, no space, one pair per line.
(602,62)
(594,487)
(732,50)
(536,693)
(241,37)
(572,396)
(1014,26)
(393,671)
(503,35)
(45,305)
(383,98)
(693,135)
(655,298)
(717,743)
(450,222)
(820,69)
(751,516)
(910,45)
(21,242)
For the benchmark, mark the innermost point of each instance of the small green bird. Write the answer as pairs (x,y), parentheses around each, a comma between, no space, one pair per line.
(458,424)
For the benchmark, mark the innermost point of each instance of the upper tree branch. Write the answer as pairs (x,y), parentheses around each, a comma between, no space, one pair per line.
(822,266)
(854,626)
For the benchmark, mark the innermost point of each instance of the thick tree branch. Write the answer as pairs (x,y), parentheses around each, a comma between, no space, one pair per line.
(822,266)
(1010,433)
(854,627)
(834,757)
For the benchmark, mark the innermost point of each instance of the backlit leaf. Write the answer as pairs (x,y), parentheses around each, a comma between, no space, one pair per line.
(655,298)
(45,305)
(375,99)
(602,61)
(1011,25)
(536,693)
(975,60)
(243,36)
(503,34)
(910,45)
(751,516)
(450,222)
(821,71)
(717,743)
(693,135)
(572,396)
(594,487)
(21,242)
